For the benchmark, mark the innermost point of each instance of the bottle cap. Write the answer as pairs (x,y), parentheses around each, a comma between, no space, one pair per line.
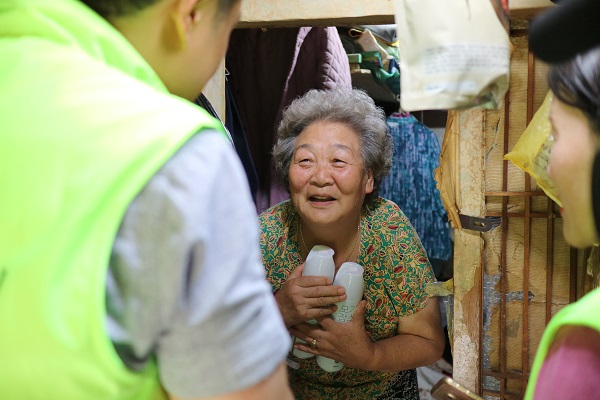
(350,276)
(320,251)
(319,262)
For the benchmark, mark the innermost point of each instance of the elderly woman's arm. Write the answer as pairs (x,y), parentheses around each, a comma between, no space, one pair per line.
(419,341)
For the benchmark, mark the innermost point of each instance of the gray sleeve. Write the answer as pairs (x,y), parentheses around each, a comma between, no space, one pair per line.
(186,283)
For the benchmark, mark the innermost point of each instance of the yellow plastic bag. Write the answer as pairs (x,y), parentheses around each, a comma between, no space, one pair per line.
(532,151)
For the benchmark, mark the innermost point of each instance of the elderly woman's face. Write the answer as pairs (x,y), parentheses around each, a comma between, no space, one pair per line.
(327,178)
(570,168)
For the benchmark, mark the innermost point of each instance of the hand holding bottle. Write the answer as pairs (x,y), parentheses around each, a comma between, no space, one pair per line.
(350,276)
(349,343)
(319,263)
(304,297)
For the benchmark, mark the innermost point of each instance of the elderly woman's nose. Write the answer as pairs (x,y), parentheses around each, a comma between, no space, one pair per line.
(322,173)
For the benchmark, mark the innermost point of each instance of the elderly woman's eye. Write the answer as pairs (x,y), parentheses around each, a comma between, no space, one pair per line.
(303,161)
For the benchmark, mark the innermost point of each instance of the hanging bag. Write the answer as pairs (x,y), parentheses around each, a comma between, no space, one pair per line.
(453,54)
(532,151)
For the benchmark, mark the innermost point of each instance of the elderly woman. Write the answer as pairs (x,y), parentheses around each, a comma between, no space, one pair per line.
(333,150)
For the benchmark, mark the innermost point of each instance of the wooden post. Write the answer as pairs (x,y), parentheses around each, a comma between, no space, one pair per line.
(468,253)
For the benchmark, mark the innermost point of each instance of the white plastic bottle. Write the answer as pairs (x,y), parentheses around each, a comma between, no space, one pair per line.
(350,276)
(319,262)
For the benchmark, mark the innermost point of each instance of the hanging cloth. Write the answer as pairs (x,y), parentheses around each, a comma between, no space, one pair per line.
(235,131)
(268,69)
(411,184)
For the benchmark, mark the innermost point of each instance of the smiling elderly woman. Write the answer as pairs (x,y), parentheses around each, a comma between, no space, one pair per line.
(333,150)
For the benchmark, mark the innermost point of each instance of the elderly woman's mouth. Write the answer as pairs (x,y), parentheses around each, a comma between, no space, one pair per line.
(320,198)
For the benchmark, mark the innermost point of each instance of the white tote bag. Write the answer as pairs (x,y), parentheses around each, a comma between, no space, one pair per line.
(453,54)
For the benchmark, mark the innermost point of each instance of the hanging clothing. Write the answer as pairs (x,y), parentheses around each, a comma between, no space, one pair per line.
(411,184)
(233,123)
(235,130)
(268,68)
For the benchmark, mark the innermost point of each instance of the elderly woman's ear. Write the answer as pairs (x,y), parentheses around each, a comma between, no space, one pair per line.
(370,183)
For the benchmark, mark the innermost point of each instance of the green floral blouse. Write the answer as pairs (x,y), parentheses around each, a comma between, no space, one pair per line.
(396,272)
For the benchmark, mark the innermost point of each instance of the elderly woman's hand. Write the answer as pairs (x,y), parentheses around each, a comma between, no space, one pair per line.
(302,298)
(346,342)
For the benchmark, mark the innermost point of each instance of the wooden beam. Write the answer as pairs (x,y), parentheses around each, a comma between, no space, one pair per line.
(287,13)
(280,13)
(527,9)
(468,253)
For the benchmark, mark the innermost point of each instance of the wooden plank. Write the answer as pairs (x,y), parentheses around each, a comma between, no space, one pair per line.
(468,254)
(527,9)
(280,13)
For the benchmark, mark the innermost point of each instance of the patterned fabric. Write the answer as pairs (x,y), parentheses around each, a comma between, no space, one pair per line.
(396,271)
(411,185)
(405,387)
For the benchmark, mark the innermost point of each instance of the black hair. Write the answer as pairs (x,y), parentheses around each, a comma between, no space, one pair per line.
(119,8)
(576,83)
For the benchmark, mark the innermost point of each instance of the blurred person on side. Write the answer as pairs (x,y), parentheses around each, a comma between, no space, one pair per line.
(129,257)
(567,363)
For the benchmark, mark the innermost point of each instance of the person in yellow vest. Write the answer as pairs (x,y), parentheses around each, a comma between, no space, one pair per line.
(129,257)
(567,363)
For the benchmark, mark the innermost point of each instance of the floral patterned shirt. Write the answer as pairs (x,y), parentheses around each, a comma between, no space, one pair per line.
(396,272)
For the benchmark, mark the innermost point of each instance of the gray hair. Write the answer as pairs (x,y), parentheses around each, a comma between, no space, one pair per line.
(352,107)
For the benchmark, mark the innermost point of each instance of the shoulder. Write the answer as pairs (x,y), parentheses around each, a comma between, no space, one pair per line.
(206,171)
(384,214)
(571,368)
(209,145)
(391,237)
(282,214)
(276,226)
(384,208)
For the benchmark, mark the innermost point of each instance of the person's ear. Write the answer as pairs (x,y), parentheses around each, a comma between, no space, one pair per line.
(185,16)
(370,184)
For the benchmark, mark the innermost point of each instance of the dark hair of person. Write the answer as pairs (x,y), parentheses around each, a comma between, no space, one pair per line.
(352,107)
(576,83)
(119,8)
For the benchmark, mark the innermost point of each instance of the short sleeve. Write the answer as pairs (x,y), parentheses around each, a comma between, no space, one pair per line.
(187,285)
(572,370)
(399,259)
(415,271)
